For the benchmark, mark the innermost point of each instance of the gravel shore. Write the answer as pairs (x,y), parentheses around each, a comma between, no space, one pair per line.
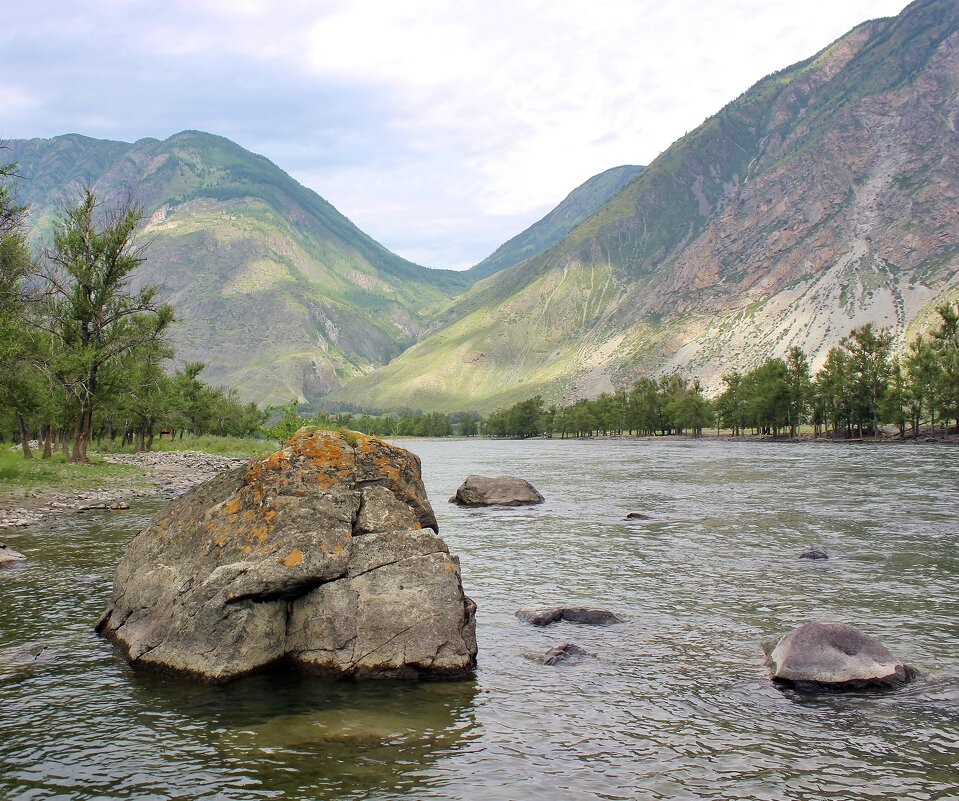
(163,474)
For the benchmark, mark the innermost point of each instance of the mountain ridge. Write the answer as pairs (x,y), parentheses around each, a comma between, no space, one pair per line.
(781,220)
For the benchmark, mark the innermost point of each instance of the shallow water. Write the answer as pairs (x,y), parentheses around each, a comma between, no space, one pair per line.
(676,705)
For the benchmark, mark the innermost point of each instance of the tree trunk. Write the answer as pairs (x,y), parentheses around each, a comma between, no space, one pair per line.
(111,434)
(24,436)
(47,444)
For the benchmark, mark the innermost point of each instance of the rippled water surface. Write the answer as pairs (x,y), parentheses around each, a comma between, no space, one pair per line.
(676,705)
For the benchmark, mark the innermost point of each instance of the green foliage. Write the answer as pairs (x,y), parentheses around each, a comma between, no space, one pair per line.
(220,445)
(284,421)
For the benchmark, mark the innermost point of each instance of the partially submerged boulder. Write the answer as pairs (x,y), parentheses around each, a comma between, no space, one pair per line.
(323,555)
(814,552)
(499,491)
(566,654)
(823,655)
(546,615)
(8,556)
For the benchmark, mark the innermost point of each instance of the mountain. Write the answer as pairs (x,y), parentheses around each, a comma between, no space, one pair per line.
(279,293)
(576,207)
(822,198)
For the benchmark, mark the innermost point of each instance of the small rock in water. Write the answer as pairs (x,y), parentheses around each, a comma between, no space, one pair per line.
(636,516)
(499,491)
(10,556)
(823,655)
(541,617)
(590,617)
(572,614)
(119,506)
(566,654)
(814,552)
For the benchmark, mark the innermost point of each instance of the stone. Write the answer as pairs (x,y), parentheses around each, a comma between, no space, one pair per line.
(824,655)
(541,617)
(814,552)
(323,556)
(9,556)
(544,616)
(566,654)
(636,516)
(499,491)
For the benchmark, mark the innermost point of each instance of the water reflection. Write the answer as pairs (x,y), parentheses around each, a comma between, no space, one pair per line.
(296,734)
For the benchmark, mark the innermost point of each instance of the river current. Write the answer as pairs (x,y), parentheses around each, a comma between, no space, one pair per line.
(676,704)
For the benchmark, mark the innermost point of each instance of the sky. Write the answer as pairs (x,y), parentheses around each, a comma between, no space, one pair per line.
(440,128)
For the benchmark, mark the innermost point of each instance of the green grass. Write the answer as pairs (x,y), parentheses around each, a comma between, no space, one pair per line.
(15,471)
(221,446)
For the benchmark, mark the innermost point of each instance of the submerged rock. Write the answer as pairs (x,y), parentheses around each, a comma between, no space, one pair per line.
(834,656)
(814,552)
(499,491)
(10,556)
(636,516)
(323,555)
(566,654)
(544,616)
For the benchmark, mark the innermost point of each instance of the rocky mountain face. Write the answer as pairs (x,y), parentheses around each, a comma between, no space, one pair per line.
(277,292)
(579,204)
(824,197)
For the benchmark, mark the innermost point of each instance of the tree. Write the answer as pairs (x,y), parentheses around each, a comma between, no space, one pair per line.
(868,372)
(946,344)
(798,388)
(20,391)
(86,305)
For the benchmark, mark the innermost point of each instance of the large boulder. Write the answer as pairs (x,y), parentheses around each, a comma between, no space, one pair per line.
(834,656)
(323,555)
(499,491)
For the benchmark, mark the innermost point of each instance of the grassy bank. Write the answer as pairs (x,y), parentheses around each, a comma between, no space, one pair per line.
(221,446)
(17,472)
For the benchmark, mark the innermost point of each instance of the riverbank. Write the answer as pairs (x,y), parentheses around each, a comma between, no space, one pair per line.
(41,489)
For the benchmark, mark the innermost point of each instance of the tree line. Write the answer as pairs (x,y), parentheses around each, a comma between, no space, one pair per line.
(860,387)
(285,420)
(82,353)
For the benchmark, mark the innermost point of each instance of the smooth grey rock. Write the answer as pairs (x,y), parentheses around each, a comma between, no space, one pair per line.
(589,617)
(544,616)
(814,552)
(541,617)
(566,654)
(281,559)
(10,556)
(834,656)
(499,491)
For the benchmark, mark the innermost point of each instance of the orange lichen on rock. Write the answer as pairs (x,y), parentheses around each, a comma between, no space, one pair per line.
(293,558)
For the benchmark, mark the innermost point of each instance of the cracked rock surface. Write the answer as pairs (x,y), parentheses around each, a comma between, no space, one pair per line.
(323,555)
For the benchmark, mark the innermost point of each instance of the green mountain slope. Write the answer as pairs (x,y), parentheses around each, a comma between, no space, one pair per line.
(822,198)
(576,207)
(279,293)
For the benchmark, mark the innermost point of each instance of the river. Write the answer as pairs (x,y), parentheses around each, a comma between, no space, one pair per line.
(676,704)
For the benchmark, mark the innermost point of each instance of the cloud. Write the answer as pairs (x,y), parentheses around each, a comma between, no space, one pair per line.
(442,128)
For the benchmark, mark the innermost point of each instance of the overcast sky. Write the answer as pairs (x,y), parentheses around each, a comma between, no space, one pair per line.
(440,128)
